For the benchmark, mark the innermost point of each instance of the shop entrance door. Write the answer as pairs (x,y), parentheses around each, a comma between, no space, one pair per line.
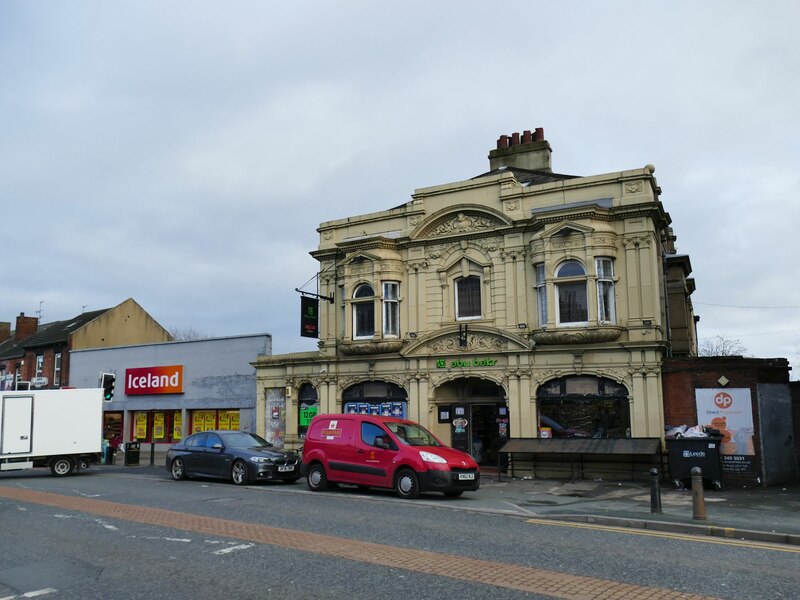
(489,432)
(460,427)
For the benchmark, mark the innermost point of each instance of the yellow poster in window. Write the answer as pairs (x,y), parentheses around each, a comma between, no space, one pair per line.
(234,420)
(141,426)
(198,420)
(210,418)
(224,419)
(177,425)
(159,421)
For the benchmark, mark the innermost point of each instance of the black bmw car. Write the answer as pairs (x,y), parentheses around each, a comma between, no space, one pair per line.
(240,456)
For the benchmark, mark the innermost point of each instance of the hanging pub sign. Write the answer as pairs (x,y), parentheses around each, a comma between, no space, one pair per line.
(309,317)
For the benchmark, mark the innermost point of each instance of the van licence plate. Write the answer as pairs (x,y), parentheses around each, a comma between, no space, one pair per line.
(284,469)
(463,476)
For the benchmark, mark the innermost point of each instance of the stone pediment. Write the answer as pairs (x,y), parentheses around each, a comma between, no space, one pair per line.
(465,221)
(479,339)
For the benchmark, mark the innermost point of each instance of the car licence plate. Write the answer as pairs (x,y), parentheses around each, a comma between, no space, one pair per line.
(284,469)
(463,476)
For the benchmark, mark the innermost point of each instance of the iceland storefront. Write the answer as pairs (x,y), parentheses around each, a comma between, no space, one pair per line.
(164,392)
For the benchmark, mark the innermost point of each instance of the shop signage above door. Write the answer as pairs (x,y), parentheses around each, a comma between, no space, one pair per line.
(154,380)
(465,363)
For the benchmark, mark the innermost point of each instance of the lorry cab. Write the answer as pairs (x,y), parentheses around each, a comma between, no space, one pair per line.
(384,452)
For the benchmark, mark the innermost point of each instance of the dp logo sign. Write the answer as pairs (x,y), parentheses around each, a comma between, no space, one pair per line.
(723,400)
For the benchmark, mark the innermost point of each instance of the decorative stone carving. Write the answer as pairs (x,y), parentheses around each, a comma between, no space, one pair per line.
(633,241)
(370,347)
(475,342)
(633,187)
(511,255)
(512,205)
(577,336)
(543,376)
(488,246)
(328,235)
(463,223)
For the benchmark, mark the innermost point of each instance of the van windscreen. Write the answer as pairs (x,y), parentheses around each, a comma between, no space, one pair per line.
(411,434)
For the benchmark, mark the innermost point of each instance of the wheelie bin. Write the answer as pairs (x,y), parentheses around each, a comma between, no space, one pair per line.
(685,453)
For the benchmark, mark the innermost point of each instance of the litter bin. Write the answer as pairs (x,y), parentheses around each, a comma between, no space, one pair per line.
(687,453)
(132,453)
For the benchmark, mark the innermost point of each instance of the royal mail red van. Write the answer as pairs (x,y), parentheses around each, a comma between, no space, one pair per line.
(384,452)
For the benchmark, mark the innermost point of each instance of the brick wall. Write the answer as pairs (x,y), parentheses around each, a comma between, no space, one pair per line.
(682,376)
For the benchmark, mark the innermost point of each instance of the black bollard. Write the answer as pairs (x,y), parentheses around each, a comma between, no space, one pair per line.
(152,453)
(655,492)
(698,498)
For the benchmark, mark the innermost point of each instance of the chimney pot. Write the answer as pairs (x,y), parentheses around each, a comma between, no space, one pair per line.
(527,137)
(502,142)
(539,134)
(515,138)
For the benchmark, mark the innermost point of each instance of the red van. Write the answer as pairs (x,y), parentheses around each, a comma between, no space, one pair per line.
(384,452)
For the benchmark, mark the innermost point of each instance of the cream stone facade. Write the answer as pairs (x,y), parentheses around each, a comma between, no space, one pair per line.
(518,303)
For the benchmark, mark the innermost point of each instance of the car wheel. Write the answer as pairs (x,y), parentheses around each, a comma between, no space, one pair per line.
(407,484)
(63,465)
(317,480)
(239,473)
(454,494)
(177,469)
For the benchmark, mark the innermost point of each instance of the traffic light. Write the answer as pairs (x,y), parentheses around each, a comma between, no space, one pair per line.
(108,380)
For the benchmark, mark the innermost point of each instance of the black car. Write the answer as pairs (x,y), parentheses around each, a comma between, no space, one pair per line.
(240,456)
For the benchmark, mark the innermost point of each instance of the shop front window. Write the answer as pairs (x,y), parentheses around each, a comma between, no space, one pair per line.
(375,398)
(583,407)
(307,407)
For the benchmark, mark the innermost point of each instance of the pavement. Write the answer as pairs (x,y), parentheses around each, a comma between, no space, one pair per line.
(765,514)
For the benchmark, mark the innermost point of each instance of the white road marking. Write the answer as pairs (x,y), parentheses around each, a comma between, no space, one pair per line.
(234,548)
(34,594)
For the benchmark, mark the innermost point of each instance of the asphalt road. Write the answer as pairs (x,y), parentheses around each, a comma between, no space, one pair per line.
(116,533)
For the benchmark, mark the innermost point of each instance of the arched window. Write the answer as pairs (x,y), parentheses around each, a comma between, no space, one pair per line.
(364,312)
(571,299)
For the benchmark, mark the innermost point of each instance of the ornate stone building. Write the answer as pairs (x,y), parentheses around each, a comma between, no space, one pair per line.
(518,303)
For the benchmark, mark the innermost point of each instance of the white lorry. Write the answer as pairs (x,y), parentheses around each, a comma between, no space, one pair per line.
(60,429)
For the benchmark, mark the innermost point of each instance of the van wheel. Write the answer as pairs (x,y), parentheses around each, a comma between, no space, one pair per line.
(407,484)
(63,465)
(239,473)
(317,480)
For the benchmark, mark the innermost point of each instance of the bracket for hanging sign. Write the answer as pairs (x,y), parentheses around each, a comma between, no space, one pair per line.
(313,295)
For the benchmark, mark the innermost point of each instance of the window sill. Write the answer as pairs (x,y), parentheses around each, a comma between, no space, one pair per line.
(370,346)
(581,335)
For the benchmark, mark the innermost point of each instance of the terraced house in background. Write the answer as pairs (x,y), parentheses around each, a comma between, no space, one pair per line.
(517,303)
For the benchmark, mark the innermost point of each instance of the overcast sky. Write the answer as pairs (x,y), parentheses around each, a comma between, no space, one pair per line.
(183,153)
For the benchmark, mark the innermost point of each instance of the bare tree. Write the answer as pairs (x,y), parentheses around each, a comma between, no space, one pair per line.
(187,334)
(721,346)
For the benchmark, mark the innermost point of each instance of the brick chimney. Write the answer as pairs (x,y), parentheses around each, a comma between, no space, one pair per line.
(26,327)
(529,151)
(5,331)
